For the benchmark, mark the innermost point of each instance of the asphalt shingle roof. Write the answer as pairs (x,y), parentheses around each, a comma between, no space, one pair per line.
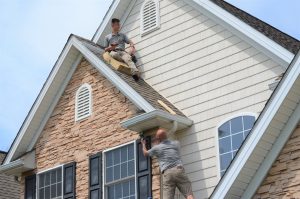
(283,39)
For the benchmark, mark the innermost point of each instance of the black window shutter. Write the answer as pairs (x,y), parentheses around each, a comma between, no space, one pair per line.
(69,181)
(30,187)
(144,171)
(95,176)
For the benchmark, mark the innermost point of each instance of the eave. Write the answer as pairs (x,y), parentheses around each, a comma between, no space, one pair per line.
(154,119)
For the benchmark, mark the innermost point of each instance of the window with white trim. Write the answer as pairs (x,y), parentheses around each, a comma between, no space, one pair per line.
(150,18)
(119,172)
(83,104)
(231,135)
(49,184)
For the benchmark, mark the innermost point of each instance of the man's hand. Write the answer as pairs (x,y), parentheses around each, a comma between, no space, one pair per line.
(111,47)
(145,151)
(132,50)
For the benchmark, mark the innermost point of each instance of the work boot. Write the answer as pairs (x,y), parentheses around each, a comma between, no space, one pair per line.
(135,77)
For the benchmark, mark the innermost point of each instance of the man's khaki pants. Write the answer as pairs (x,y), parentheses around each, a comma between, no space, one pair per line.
(176,177)
(123,56)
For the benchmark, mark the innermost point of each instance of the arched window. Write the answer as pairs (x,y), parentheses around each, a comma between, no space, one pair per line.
(231,135)
(83,104)
(150,16)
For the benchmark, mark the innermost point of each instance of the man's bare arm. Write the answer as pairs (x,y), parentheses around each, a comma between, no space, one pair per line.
(145,151)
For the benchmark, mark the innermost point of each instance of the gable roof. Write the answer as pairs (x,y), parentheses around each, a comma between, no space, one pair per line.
(271,131)
(72,54)
(288,42)
(274,43)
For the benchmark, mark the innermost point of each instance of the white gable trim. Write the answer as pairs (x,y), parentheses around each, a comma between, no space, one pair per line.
(246,32)
(73,44)
(258,130)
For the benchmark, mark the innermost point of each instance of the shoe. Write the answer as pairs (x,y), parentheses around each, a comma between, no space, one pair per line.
(134,59)
(136,77)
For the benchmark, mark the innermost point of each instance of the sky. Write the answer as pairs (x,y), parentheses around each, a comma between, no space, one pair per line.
(33,33)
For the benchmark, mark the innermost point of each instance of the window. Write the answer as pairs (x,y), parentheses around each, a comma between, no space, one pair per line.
(149,16)
(83,104)
(50,184)
(231,135)
(120,172)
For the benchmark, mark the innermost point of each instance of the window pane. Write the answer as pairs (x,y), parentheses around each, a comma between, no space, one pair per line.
(117,174)
(237,141)
(47,193)
(132,187)
(118,191)
(225,145)
(41,193)
(248,122)
(124,153)
(53,191)
(53,176)
(225,160)
(246,133)
(131,168)
(47,179)
(236,125)
(42,180)
(117,156)
(125,189)
(111,192)
(109,174)
(124,170)
(59,187)
(109,159)
(59,175)
(224,130)
(130,152)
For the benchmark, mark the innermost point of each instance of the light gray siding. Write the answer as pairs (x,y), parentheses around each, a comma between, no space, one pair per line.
(208,73)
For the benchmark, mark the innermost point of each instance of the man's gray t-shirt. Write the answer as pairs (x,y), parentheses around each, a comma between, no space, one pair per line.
(167,153)
(118,38)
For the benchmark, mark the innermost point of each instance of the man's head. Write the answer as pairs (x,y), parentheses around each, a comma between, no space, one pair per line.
(115,25)
(161,134)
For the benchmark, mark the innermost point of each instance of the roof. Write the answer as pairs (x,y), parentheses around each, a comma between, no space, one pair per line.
(140,94)
(285,40)
(143,88)
(275,124)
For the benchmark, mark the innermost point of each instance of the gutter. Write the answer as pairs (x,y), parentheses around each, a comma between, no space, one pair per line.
(178,122)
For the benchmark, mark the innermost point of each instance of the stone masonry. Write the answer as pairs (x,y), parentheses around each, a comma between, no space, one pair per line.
(63,140)
(283,179)
(9,186)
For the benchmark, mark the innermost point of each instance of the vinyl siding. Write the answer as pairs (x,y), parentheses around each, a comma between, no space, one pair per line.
(208,73)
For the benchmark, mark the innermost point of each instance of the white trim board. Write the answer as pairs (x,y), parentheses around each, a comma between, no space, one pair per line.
(258,131)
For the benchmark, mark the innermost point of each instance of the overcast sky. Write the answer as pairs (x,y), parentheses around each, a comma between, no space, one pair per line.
(33,33)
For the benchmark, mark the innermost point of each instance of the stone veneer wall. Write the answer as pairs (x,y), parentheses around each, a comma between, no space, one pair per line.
(283,179)
(63,140)
(9,186)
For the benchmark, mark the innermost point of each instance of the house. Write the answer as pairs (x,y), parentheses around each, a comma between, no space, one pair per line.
(9,185)
(227,80)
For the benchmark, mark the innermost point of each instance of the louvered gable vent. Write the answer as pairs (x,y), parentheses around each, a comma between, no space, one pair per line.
(83,107)
(149,16)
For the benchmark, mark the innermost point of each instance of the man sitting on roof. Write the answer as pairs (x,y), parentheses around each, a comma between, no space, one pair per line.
(115,44)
